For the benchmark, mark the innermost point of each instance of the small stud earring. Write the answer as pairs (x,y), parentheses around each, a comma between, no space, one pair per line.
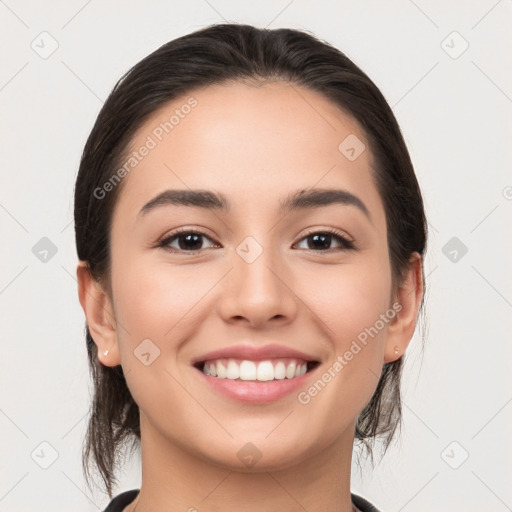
(105,353)
(396,351)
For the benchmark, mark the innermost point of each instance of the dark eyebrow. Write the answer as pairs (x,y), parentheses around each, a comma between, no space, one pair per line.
(317,197)
(198,198)
(301,199)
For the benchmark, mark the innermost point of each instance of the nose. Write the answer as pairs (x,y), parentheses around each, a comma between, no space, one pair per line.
(258,292)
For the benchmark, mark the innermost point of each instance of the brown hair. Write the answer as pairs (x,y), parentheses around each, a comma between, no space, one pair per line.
(216,55)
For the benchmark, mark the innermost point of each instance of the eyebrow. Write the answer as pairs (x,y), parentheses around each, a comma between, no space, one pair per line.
(299,200)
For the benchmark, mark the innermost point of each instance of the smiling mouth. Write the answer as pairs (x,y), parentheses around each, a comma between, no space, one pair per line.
(257,371)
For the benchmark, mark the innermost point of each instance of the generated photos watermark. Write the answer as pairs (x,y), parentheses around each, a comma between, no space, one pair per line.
(305,397)
(152,141)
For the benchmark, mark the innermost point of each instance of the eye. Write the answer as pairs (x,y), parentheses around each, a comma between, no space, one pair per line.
(187,240)
(321,239)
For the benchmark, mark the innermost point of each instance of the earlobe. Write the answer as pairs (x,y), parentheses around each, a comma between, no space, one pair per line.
(109,357)
(409,295)
(99,315)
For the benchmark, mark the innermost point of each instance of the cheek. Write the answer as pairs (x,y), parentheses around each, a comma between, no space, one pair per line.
(153,301)
(349,299)
(350,304)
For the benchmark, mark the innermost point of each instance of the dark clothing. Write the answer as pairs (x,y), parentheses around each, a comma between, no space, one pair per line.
(124,499)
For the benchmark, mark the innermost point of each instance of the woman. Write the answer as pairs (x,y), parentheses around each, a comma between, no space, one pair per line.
(251,235)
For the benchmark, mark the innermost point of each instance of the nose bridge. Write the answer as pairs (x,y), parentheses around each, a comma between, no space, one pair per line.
(254,263)
(255,268)
(257,287)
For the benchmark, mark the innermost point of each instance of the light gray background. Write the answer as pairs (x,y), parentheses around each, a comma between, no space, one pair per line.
(455,113)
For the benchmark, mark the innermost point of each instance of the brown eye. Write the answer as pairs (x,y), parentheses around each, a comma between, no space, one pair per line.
(321,240)
(185,241)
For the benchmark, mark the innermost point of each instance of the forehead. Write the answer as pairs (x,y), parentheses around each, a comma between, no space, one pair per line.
(255,143)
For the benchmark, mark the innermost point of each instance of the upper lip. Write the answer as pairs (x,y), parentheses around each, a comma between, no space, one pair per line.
(253,353)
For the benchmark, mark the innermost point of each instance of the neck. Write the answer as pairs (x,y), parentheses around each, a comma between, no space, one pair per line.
(175,479)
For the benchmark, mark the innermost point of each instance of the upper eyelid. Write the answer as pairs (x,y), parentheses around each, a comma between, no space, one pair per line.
(165,240)
(333,231)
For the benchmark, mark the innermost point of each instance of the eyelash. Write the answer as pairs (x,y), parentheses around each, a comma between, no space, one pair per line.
(348,244)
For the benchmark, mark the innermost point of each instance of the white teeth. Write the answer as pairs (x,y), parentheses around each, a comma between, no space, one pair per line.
(247,370)
(265,371)
(233,371)
(221,370)
(290,371)
(280,371)
(254,370)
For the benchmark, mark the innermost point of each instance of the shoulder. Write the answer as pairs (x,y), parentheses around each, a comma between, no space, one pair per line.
(122,500)
(362,504)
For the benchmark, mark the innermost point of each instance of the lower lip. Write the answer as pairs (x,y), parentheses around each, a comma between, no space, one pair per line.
(256,391)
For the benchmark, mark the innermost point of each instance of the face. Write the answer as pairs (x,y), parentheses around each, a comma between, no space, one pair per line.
(305,286)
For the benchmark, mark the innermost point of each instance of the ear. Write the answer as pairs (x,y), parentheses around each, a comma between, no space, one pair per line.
(99,314)
(401,328)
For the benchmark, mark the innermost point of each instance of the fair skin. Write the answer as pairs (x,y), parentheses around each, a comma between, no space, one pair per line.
(255,145)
